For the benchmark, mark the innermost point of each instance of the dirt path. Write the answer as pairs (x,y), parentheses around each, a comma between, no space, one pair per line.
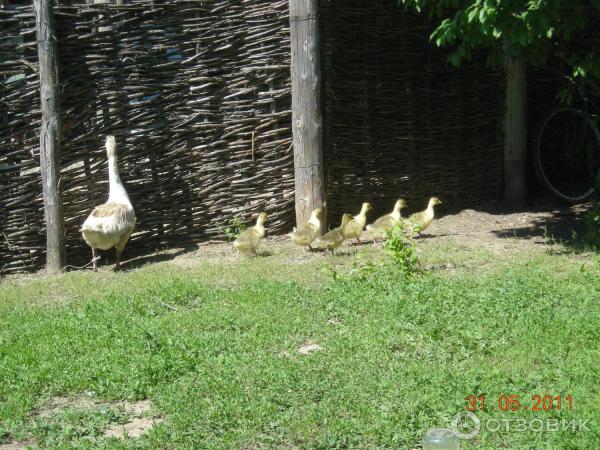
(486,227)
(493,229)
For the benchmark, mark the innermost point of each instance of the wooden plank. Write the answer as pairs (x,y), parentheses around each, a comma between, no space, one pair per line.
(307,126)
(50,134)
(515,132)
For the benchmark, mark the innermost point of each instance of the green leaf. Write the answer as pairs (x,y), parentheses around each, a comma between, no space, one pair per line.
(472,15)
(454,59)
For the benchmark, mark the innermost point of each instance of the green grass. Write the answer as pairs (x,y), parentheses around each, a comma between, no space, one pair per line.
(220,361)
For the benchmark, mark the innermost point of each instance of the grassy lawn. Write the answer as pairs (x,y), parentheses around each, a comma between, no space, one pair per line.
(215,345)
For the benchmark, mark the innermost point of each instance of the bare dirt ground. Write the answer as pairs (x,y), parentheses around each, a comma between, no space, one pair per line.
(499,229)
(138,418)
(490,227)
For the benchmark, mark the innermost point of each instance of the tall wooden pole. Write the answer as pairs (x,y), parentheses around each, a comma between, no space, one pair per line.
(515,132)
(307,127)
(50,134)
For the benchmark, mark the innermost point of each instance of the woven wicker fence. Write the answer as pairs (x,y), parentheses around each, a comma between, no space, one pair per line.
(398,120)
(21,208)
(198,96)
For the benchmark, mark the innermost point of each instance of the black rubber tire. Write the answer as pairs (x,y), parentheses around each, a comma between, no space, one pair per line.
(538,155)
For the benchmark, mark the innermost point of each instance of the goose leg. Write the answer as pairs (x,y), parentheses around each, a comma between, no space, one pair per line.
(119,249)
(118,264)
(94,262)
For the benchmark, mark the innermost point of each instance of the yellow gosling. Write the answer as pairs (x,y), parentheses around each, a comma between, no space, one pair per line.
(423,219)
(384,225)
(249,239)
(334,238)
(306,233)
(355,227)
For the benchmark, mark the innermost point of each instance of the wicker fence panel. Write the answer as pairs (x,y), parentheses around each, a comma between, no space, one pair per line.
(22,238)
(198,97)
(398,120)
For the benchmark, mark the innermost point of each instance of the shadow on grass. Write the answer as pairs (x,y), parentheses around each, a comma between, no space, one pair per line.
(422,236)
(258,254)
(142,260)
(361,243)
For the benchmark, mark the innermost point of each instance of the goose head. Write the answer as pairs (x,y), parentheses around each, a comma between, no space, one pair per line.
(316,214)
(434,201)
(366,207)
(262,218)
(111,146)
(400,203)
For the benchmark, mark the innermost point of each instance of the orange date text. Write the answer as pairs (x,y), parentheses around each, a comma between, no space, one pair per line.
(513,402)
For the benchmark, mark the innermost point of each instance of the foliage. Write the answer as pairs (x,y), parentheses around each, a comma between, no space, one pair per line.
(592,226)
(534,29)
(401,247)
(592,219)
(233,229)
(360,270)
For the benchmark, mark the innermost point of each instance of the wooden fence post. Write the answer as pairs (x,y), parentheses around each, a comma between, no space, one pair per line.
(50,132)
(307,127)
(515,132)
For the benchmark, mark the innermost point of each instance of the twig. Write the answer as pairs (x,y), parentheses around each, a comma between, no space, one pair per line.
(10,247)
(32,66)
(185,122)
(97,258)
(166,305)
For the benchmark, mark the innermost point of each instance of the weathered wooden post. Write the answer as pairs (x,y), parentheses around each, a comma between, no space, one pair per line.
(307,120)
(50,134)
(515,132)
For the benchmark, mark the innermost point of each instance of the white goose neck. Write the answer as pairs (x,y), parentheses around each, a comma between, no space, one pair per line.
(117,192)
